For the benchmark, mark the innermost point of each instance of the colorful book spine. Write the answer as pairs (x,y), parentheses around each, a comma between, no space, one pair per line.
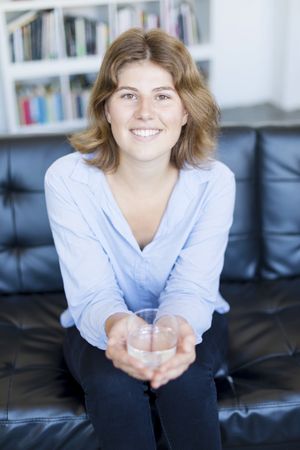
(40,104)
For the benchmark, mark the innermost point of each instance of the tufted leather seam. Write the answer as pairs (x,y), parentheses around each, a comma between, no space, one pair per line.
(230,381)
(280,180)
(9,178)
(44,420)
(258,360)
(259,202)
(277,233)
(279,309)
(284,404)
(281,327)
(245,179)
(241,233)
(27,247)
(11,375)
(22,191)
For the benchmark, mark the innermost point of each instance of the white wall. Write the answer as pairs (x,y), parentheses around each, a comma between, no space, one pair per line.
(257,52)
(286,51)
(242,34)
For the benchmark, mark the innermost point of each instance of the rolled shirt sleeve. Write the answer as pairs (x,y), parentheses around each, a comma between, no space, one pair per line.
(90,285)
(192,288)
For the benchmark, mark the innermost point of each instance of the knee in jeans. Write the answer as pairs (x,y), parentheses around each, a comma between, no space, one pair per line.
(202,376)
(113,384)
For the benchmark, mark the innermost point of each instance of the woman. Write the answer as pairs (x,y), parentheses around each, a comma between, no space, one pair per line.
(140,216)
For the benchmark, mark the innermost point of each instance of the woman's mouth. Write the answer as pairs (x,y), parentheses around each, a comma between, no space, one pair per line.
(145,132)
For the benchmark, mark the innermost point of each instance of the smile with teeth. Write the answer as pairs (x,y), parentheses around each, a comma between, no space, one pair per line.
(145,132)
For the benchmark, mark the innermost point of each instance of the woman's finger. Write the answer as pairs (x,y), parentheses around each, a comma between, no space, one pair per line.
(120,358)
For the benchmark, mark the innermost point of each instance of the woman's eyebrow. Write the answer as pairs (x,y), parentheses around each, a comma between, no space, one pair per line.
(160,88)
(129,88)
(164,88)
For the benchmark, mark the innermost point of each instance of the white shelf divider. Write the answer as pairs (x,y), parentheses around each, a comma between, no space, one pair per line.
(67,66)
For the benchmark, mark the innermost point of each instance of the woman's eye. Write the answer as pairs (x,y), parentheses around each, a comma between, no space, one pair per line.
(128,96)
(163,97)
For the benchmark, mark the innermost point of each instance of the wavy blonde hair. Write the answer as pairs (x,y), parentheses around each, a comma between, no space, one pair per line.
(197,139)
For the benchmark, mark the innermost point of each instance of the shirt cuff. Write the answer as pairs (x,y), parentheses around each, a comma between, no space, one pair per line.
(198,316)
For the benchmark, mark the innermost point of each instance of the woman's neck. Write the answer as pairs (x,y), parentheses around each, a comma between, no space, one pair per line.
(143,178)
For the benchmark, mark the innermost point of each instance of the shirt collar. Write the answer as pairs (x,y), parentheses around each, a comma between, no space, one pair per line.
(85,173)
(90,175)
(193,178)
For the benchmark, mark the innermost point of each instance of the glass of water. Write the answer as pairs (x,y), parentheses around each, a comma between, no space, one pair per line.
(152,338)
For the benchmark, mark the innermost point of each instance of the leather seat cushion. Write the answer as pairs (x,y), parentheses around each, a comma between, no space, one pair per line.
(259,397)
(261,388)
(39,400)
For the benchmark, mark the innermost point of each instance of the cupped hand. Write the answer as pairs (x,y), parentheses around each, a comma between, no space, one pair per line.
(184,357)
(117,331)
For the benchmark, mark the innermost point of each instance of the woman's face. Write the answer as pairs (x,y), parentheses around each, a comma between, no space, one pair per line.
(145,112)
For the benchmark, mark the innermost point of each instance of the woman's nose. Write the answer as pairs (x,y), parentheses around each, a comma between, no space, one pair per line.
(144,109)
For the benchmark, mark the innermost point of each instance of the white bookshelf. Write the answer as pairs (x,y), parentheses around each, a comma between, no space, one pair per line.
(63,70)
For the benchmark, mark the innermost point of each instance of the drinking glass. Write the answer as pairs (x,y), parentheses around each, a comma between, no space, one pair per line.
(152,338)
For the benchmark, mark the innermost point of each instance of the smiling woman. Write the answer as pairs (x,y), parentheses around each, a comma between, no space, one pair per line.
(196,139)
(140,216)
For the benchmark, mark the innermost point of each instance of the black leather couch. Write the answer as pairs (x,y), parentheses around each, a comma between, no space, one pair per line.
(42,408)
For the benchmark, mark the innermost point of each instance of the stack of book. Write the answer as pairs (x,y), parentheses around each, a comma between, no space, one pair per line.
(181,21)
(128,17)
(85,36)
(33,36)
(186,24)
(39,104)
(81,86)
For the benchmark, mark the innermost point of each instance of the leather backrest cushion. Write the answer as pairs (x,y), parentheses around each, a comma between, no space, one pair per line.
(28,260)
(280,200)
(237,149)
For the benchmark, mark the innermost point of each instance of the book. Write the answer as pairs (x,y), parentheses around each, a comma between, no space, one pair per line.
(39,103)
(85,36)
(80,41)
(21,21)
(101,38)
(17,53)
(69,24)
(34,39)
(81,86)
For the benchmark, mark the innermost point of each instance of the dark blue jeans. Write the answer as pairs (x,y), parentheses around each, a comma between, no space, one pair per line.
(119,406)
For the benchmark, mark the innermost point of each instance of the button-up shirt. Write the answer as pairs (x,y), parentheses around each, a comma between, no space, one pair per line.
(105,271)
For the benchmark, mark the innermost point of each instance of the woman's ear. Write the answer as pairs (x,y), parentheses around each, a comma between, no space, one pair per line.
(106,111)
(184,118)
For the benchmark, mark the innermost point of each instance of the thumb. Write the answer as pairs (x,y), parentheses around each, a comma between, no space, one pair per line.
(189,343)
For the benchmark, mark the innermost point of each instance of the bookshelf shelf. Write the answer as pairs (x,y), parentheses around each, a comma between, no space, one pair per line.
(21,5)
(54,71)
(66,126)
(67,66)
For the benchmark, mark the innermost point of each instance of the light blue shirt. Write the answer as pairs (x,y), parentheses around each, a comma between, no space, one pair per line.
(104,270)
